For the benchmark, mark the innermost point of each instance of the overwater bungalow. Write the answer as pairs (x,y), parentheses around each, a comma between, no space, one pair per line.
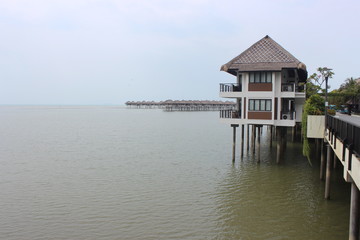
(268,87)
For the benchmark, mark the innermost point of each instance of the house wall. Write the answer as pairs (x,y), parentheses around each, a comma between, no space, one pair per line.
(260,115)
(260,87)
(265,91)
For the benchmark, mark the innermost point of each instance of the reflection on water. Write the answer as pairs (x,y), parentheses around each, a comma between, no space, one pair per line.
(270,201)
(113,173)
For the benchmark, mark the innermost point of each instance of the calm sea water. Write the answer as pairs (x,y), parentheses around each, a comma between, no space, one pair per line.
(115,173)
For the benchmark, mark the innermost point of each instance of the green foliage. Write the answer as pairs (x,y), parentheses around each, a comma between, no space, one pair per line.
(316,80)
(331,112)
(350,90)
(314,105)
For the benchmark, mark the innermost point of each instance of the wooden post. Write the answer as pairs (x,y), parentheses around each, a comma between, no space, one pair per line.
(335,160)
(234,126)
(322,163)
(242,140)
(354,213)
(328,172)
(258,143)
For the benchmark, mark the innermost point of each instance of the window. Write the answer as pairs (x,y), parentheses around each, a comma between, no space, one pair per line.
(260,77)
(259,104)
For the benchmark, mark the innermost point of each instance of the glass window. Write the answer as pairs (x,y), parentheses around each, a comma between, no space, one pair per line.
(257,77)
(259,104)
(268,77)
(260,77)
(251,105)
(252,78)
(268,105)
(256,105)
(263,77)
(262,105)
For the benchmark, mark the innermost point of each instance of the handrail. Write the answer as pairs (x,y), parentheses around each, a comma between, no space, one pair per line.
(230,114)
(346,132)
(287,87)
(230,87)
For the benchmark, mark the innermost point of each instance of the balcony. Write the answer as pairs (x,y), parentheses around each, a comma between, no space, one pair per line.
(230,87)
(287,115)
(230,90)
(230,114)
(287,87)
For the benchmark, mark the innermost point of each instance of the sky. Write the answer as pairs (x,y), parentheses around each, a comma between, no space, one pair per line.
(96,52)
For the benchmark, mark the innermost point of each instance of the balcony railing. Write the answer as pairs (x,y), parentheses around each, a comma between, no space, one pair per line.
(287,87)
(230,114)
(347,132)
(230,87)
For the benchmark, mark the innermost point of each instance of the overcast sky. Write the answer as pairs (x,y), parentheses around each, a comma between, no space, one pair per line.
(111,51)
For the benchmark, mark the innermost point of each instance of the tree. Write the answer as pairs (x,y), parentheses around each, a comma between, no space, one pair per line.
(316,80)
(351,88)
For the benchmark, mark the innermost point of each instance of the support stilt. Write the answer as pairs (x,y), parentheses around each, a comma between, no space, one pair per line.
(354,213)
(293,133)
(242,140)
(258,143)
(253,135)
(278,145)
(335,160)
(271,136)
(284,138)
(247,138)
(328,172)
(234,126)
(323,162)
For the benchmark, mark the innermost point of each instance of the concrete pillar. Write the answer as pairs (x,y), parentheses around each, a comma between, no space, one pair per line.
(335,160)
(258,143)
(247,138)
(293,133)
(242,140)
(354,213)
(322,162)
(275,133)
(278,145)
(253,139)
(234,126)
(328,172)
(284,137)
(271,136)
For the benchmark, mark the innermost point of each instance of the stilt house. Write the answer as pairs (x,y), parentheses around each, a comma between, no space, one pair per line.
(269,87)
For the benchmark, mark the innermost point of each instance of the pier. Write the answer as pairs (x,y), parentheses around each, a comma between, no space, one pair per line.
(185,105)
(343,145)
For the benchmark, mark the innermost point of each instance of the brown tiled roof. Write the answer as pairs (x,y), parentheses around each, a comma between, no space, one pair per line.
(266,55)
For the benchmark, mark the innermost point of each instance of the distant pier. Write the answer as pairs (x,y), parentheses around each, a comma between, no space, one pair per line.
(184,105)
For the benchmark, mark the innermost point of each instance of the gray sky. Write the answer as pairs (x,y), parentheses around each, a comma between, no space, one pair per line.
(111,51)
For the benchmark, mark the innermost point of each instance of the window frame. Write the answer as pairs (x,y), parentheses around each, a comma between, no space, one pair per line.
(260,105)
(260,77)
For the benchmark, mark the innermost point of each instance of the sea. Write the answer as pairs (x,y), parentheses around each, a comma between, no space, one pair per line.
(109,172)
